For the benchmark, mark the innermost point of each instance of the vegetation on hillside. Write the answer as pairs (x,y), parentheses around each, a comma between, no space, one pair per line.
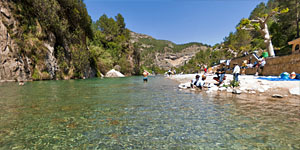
(281,19)
(64,21)
(111,46)
(82,45)
(149,47)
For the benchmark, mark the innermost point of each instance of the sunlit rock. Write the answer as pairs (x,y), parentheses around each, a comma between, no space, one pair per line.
(295,91)
(114,74)
(184,85)
(236,91)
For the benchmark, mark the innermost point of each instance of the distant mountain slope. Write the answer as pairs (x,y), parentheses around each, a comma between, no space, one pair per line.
(164,54)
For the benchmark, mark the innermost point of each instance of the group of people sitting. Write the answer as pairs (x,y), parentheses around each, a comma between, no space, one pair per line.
(198,82)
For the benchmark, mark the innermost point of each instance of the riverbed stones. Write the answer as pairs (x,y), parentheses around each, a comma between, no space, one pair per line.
(114,74)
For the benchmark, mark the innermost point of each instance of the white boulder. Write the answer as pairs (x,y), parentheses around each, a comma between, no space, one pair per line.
(222,89)
(184,85)
(295,91)
(229,90)
(261,90)
(252,92)
(114,74)
(266,87)
(214,88)
(236,91)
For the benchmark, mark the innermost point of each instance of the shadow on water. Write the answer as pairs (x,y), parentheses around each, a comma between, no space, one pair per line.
(125,113)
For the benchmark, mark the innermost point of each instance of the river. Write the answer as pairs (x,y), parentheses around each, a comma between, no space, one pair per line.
(125,113)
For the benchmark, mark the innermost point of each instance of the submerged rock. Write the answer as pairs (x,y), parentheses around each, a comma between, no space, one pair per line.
(277,96)
(114,74)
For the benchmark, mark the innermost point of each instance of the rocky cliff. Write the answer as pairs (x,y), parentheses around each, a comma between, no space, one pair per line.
(13,65)
(30,49)
(164,54)
(47,40)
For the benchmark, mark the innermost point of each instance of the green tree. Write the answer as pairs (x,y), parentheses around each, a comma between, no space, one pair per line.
(260,23)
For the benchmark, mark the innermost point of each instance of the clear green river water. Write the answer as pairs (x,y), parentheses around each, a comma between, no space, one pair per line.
(126,113)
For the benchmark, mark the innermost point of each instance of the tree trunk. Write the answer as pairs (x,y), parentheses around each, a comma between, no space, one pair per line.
(268,40)
(297,17)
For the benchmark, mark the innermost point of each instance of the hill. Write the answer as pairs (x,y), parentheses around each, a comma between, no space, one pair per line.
(164,54)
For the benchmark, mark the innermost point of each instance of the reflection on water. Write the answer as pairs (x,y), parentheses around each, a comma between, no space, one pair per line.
(128,114)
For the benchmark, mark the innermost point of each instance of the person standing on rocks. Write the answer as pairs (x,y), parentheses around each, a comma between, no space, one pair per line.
(236,72)
(222,73)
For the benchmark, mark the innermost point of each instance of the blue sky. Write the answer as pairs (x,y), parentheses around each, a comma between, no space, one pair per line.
(179,21)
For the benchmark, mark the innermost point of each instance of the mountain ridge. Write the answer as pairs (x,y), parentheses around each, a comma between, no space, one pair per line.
(163,53)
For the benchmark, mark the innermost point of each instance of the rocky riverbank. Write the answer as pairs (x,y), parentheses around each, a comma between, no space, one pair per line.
(249,85)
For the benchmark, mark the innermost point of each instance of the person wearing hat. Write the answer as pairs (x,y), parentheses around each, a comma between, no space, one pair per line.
(236,72)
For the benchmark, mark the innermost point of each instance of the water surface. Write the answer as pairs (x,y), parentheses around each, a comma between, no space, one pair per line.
(125,113)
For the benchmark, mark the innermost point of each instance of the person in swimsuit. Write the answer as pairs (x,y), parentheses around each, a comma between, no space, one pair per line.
(145,74)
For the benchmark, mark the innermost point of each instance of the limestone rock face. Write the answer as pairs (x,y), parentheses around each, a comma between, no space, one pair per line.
(13,66)
(114,74)
(50,60)
(18,65)
(165,56)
